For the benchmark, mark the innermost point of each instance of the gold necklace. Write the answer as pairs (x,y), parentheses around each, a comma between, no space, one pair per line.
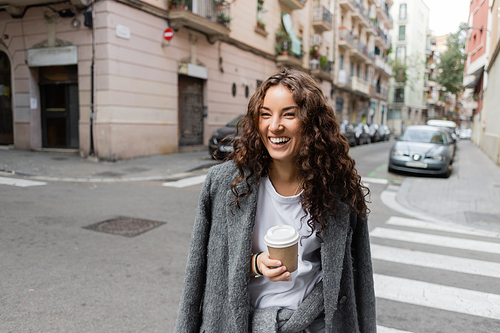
(294,193)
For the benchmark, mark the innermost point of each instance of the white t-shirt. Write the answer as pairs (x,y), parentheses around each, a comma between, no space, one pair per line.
(274,209)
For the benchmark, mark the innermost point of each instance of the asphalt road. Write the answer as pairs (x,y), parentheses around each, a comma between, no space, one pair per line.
(57,276)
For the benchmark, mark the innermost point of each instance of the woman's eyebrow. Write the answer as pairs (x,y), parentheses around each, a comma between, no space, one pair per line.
(286,108)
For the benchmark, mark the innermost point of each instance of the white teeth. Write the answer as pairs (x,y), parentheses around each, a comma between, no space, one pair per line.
(279,140)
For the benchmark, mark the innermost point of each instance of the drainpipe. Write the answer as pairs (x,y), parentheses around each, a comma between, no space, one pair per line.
(92,92)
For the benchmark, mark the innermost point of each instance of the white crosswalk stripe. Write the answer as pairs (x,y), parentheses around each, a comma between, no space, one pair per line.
(438,261)
(20,182)
(452,242)
(186,182)
(421,290)
(438,296)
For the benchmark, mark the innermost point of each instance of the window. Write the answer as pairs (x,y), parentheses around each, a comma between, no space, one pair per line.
(341,62)
(402,32)
(358,70)
(352,69)
(366,74)
(401,53)
(402,11)
(399,95)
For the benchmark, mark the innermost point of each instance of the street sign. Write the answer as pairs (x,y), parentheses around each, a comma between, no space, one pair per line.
(168,34)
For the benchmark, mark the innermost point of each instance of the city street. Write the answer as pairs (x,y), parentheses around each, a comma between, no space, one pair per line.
(58,276)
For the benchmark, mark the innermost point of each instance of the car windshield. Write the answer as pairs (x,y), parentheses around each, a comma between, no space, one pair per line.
(425,136)
(234,122)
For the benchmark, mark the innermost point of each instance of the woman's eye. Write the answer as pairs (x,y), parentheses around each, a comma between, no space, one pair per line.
(290,114)
(265,114)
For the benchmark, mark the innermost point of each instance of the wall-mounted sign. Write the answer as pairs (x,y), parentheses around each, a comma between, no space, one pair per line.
(122,31)
(168,34)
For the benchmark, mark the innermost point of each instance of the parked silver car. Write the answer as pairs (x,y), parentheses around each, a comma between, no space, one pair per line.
(423,150)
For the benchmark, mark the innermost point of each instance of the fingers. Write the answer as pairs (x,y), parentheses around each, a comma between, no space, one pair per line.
(272,269)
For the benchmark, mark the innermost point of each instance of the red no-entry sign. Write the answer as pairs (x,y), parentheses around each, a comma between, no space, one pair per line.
(168,34)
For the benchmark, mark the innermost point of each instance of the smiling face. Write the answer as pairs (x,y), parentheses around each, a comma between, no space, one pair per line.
(279,126)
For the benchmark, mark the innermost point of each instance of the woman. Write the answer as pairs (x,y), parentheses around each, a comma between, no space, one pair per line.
(291,166)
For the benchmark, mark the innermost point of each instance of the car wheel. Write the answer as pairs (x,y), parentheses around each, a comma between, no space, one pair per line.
(390,169)
(447,173)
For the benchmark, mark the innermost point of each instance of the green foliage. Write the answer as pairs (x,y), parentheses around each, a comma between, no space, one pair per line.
(452,62)
(323,62)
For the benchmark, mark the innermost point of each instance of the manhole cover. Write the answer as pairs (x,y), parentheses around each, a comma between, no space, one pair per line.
(124,226)
(109,174)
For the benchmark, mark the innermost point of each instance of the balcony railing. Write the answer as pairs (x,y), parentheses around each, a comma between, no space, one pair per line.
(365,13)
(346,35)
(360,85)
(211,17)
(322,18)
(319,70)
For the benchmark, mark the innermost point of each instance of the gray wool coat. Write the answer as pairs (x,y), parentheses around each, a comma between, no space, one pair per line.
(215,293)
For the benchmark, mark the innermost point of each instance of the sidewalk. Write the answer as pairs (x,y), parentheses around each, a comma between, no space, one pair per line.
(471,195)
(47,166)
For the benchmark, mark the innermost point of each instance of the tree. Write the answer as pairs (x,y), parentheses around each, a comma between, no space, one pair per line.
(452,62)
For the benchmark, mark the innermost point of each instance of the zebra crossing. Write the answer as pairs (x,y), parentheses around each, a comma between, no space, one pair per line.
(464,252)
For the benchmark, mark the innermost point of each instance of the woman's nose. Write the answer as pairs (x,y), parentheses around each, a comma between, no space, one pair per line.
(275,124)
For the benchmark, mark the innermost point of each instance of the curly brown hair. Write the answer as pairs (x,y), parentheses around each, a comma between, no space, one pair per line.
(325,167)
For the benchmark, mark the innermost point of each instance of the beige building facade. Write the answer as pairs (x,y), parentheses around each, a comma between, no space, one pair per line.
(362,71)
(99,78)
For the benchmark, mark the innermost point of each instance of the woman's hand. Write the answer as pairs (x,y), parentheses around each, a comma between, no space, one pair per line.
(272,269)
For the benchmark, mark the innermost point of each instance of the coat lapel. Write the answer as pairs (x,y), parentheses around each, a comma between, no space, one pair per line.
(240,225)
(332,258)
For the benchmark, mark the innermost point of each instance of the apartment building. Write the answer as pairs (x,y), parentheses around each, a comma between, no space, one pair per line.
(409,44)
(362,70)
(486,130)
(477,49)
(125,78)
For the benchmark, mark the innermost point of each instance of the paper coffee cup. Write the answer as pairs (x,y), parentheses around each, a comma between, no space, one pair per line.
(283,244)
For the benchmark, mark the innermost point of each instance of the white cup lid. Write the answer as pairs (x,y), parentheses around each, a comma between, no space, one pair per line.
(281,236)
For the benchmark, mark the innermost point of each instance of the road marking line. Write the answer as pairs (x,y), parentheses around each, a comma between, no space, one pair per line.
(433,260)
(382,329)
(457,243)
(459,229)
(437,296)
(186,182)
(375,180)
(20,182)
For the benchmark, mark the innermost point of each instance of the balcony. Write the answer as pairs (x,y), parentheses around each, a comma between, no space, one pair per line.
(382,40)
(383,65)
(378,92)
(360,86)
(211,17)
(362,15)
(361,52)
(321,69)
(348,5)
(322,19)
(384,15)
(285,57)
(344,80)
(293,4)
(17,8)
(346,39)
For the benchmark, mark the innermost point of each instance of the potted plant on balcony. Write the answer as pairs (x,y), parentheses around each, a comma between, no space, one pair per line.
(323,63)
(261,25)
(224,19)
(314,52)
(175,4)
(219,4)
(283,41)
